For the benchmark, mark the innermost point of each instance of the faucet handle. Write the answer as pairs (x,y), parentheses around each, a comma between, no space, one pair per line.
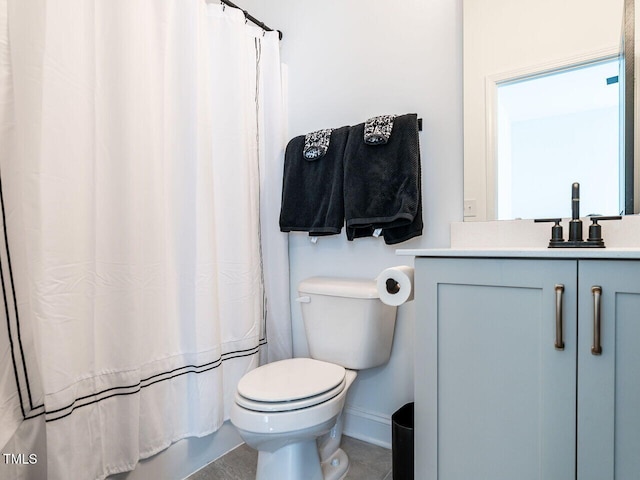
(597,218)
(595,230)
(556,230)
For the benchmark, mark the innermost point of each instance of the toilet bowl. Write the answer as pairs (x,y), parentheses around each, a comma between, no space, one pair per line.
(291,410)
(283,408)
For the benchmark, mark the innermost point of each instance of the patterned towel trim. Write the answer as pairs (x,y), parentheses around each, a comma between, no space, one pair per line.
(316,144)
(377,130)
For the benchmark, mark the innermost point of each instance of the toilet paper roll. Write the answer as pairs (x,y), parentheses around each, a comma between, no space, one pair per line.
(395,285)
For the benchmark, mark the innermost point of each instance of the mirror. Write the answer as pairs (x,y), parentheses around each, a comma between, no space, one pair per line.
(510,42)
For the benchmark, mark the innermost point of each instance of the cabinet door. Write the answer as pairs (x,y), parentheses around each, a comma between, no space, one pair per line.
(494,398)
(609,383)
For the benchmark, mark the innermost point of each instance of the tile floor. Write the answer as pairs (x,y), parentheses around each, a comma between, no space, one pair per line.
(368,462)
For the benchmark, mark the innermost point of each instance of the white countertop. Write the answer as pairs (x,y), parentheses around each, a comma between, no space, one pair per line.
(527,239)
(573,253)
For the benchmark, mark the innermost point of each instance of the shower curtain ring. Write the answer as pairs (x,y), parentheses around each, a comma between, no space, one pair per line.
(224,6)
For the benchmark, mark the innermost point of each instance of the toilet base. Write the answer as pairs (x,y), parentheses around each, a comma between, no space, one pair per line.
(294,461)
(301,460)
(336,467)
(334,461)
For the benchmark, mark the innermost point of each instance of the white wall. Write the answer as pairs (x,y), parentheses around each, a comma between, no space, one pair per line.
(348,61)
(506,35)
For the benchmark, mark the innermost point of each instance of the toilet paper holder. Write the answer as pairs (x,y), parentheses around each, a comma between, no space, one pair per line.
(393,287)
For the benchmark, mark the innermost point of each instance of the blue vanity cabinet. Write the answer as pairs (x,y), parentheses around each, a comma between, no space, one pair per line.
(609,383)
(495,399)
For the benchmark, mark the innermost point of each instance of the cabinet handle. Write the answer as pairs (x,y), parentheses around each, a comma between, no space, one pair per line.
(559,344)
(596,348)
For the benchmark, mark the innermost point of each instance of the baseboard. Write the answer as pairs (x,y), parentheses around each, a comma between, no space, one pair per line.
(367,426)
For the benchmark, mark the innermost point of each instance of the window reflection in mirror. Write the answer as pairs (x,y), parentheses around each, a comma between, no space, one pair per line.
(555,129)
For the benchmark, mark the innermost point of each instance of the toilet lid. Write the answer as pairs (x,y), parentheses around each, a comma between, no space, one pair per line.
(292,380)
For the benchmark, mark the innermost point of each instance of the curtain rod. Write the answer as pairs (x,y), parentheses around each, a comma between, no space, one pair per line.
(251,18)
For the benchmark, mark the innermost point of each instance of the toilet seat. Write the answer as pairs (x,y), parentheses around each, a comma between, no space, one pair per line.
(290,384)
(289,405)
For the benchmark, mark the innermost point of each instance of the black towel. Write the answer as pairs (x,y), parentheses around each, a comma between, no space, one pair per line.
(312,193)
(382,185)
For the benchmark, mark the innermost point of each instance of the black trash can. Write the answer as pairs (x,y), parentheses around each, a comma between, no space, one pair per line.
(402,443)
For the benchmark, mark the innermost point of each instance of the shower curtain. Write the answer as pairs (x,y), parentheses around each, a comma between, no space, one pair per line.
(141,267)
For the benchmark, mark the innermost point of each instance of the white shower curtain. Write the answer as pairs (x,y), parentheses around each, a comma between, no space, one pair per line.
(142,271)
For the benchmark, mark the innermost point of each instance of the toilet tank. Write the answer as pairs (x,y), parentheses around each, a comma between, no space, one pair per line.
(345,321)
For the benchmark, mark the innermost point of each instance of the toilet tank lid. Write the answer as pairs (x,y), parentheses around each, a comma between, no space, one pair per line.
(340,287)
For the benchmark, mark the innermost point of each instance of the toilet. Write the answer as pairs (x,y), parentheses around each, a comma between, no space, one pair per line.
(291,410)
